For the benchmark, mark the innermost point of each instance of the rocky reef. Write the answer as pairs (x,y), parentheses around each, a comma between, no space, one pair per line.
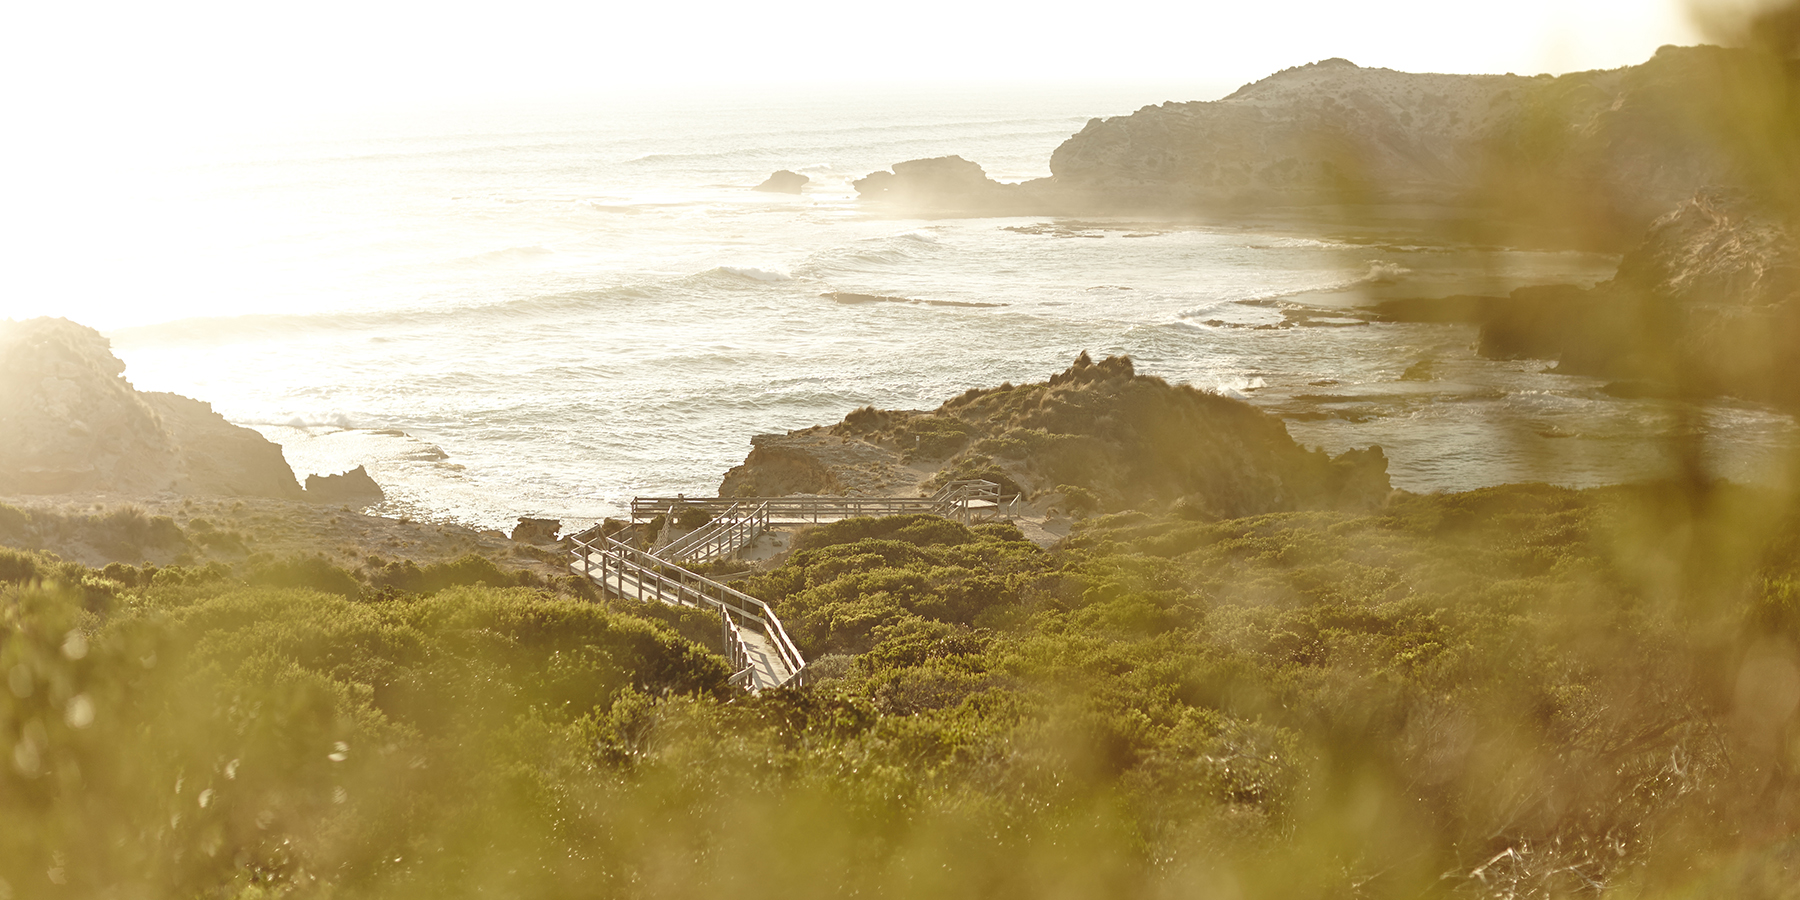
(1094,437)
(71,422)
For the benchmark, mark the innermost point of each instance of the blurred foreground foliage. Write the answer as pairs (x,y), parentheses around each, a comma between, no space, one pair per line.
(1521,691)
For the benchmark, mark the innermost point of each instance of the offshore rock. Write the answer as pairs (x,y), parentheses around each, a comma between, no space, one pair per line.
(69,421)
(783,182)
(945,183)
(354,486)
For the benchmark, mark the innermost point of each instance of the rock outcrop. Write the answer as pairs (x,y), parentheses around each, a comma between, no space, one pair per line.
(536,531)
(783,182)
(817,461)
(69,421)
(354,486)
(1708,303)
(1097,431)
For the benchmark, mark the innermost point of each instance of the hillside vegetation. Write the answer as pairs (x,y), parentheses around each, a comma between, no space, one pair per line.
(1523,691)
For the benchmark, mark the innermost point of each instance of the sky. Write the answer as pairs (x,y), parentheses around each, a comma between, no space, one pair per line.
(93,92)
(150,59)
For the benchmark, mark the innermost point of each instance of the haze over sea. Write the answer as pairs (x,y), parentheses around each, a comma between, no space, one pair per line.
(545,311)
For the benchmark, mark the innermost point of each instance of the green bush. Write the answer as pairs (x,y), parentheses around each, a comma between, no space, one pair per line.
(689,518)
(1524,690)
(314,572)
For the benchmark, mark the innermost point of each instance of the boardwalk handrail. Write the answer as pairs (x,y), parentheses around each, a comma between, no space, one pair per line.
(671,583)
(735,523)
(736,651)
(956,500)
(727,533)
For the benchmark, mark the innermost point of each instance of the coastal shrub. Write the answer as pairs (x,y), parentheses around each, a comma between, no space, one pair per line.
(1512,692)
(689,518)
(129,531)
(920,529)
(933,437)
(18,567)
(1078,501)
(266,738)
(314,572)
(866,418)
(467,570)
(15,524)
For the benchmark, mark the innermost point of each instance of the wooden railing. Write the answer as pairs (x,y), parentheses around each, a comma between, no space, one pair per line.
(613,566)
(960,500)
(727,533)
(626,571)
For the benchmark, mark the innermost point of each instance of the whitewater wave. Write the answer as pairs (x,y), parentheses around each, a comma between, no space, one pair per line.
(754,273)
(1299,243)
(1385,273)
(1238,387)
(852,298)
(1379,272)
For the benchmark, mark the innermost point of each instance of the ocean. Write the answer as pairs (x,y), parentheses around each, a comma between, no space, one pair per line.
(546,309)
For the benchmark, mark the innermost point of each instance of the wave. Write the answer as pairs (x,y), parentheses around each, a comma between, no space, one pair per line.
(1298,243)
(851,298)
(1385,273)
(1379,272)
(1238,387)
(754,273)
(598,206)
(376,323)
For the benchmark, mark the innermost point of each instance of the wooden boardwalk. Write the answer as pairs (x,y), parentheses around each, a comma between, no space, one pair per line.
(964,501)
(761,653)
(758,647)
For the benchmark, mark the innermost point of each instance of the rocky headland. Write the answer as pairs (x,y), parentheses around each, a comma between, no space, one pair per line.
(1688,163)
(69,421)
(1586,157)
(1095,437)
(100,472)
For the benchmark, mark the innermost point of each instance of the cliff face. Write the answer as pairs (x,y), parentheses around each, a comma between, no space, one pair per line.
(69,421)
(1097,436)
